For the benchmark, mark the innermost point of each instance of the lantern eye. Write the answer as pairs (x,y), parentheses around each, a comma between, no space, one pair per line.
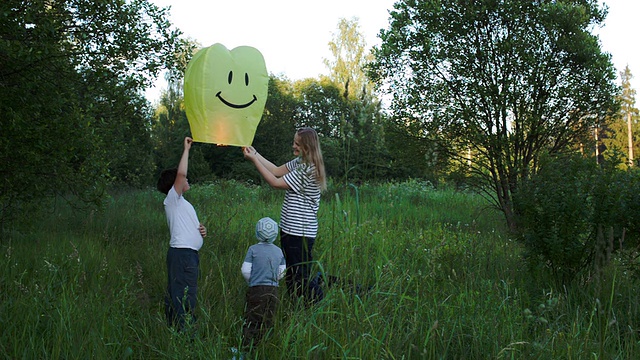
(246,79)
(230,77)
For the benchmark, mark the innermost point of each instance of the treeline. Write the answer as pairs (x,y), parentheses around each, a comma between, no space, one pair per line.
(358,138)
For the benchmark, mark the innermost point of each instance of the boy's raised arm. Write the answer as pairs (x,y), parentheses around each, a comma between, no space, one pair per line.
(183,166)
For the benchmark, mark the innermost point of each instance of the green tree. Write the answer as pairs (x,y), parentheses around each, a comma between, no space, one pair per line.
(502,80)
(274,135)
(358,130)
(170,126)
(321,105)
(72,75)
(348,48)
(367,140)
(617,132)
(411,155)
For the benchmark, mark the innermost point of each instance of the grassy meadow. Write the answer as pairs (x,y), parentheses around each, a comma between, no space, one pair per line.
(425,274)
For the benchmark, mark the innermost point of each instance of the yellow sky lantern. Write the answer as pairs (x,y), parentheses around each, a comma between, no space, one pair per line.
(224,94)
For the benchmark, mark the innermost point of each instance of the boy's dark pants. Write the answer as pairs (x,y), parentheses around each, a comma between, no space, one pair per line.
(262,302)
(182,275)
(297,251)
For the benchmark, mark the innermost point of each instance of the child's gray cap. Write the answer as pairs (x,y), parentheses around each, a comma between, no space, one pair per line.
(266,230)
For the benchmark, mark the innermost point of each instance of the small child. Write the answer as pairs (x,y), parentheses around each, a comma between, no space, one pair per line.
(263,267)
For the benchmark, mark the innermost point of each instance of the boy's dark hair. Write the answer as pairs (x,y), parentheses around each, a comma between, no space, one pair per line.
(166,180)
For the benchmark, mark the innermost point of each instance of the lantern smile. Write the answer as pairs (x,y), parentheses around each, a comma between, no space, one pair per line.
(235,106)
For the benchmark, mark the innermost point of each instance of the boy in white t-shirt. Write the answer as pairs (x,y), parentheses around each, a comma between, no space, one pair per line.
(187,235)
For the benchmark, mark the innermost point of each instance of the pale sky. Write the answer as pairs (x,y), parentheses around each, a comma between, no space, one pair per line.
(293,35)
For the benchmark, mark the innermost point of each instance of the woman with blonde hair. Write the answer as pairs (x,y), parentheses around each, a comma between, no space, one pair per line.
(303,179)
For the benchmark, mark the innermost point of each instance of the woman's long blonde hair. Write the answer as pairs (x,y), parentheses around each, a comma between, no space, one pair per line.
(311,153)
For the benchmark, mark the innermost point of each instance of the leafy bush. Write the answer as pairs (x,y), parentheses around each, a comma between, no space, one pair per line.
(573,214)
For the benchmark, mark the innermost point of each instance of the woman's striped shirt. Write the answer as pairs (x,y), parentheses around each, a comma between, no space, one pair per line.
(299,215)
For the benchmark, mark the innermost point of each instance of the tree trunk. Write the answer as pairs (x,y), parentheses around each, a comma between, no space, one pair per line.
(630,139)
(597,146)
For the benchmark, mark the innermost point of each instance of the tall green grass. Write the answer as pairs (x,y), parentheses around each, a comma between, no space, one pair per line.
(424,274)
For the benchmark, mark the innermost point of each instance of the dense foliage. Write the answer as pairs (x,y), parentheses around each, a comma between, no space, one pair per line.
(494,84)
(575,214)
(72,75)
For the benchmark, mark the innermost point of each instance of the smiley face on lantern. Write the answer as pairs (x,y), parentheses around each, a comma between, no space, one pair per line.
(224,94)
